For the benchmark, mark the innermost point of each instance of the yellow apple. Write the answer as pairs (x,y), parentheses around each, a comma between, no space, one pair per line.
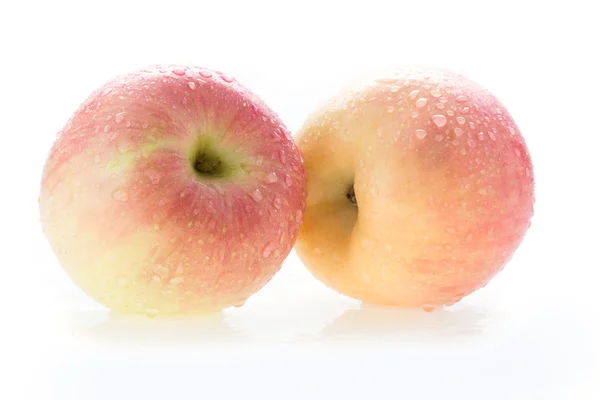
(420,189)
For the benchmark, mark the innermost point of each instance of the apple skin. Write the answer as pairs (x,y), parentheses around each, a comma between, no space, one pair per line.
(443,183)
(133,221)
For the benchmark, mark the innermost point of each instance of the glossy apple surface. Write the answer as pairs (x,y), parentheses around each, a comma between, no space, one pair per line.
(172,190)
(420,189)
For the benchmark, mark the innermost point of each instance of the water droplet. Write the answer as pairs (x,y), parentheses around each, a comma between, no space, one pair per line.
(107,128)
(240,303)
(226,78)
(443,100)
(289,181)
(420,133)
(461,120)
(518,152)
(436,93)
(192,85)
(120,195)
(390,109)
(179,72)
(472,125)
(422,102)
(414,114)
(481,136)
(256,196)
(465,110)
(439,138)
(122,146)
(413,95)
(512,130)
(153,175)
(259,160)
(176,281)
(458,131)
(462,99)
(127,124)
(439,106)
(492,136)
(450,113)
(282,156)
(298,216)
(271,177)
(267,250)
(471,142)
(119,117)
(394,89)
(205,74)
(277,202)
(439,120)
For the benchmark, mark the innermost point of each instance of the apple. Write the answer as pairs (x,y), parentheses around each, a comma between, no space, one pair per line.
(420,189)
(172,190)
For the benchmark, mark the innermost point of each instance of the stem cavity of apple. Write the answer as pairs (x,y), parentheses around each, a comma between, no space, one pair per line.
(351,196)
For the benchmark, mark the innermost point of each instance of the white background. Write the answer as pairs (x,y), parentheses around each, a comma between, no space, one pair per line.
(533,333)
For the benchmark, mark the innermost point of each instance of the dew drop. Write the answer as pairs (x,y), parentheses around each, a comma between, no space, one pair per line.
(420,133)
(120,195)
(267,250)
(394,89)
(492,136)
(422,102)
(288,181)
(277,202)
(192,85)
(481,136)
(179,72)
(413,95)
(462,99)
(298,216)
(458,131)
(465,110)
(414,114)
(436,93)
(176,281)
(119,117)
(127,124)
(472,125)
(226,78)
(390,109)
(450,113)
(256,196)
(107,128)
(439,120)
(259,160)
(439,138)
(471,142)
(153,176)
(443,100)
(271,177)
(205,74)
(512,130)
(461,120)
(439,106)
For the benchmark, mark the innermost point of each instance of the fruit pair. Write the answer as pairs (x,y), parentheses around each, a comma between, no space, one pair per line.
(175,190)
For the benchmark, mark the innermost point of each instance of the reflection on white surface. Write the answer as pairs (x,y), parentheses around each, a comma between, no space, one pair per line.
(476,352)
